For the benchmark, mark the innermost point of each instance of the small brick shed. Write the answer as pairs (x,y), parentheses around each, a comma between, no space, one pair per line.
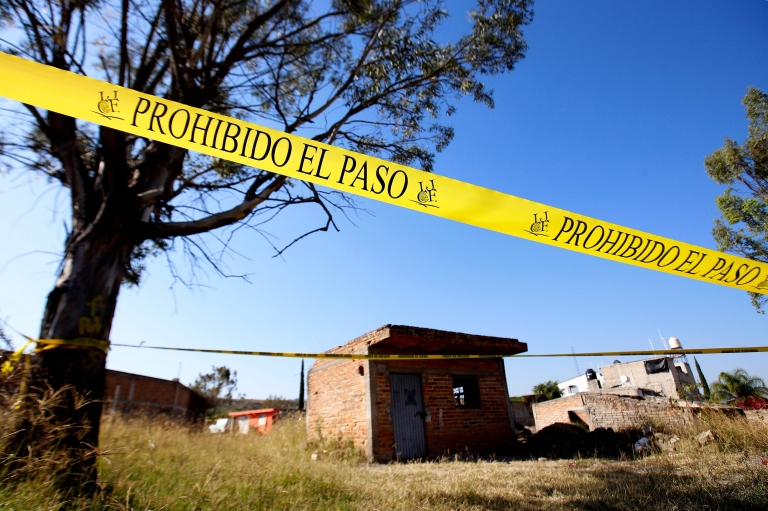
(410,408)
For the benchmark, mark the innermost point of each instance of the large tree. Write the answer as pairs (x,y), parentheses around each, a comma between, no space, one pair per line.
(371,75)
(743,226)
(217,386)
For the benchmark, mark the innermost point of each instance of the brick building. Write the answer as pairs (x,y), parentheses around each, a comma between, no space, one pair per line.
(131,392)
(400,409)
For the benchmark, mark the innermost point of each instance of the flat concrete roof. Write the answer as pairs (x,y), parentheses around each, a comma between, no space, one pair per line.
(402,339)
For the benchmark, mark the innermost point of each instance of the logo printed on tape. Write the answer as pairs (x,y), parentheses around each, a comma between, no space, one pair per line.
(540,225)
(107,106)
(426,195)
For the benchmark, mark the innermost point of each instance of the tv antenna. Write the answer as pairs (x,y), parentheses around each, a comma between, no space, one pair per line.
(663,340)
(575,361)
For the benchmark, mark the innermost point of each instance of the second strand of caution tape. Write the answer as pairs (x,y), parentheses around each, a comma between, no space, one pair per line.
(406,356)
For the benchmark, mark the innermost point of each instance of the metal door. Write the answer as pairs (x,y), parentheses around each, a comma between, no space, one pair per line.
(407,416)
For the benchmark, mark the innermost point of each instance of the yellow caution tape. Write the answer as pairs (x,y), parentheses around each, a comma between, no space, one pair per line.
(47,344)
(82,342)
(360,356)
(8,365)
(105,345)
(242,142)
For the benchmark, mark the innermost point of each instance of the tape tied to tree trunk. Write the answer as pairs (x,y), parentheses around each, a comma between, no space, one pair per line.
(231,139)
(47,344)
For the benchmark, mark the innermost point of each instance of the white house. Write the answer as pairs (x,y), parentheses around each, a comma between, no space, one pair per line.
(577,384)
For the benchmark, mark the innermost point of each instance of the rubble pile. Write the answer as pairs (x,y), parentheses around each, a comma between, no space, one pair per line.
(569,440)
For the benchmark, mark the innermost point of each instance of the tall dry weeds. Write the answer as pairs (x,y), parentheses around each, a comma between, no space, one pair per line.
(37,439)
(161,463)
(733,433)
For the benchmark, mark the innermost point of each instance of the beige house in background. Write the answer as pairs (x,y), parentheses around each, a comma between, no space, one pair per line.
(663,377)
(624,395)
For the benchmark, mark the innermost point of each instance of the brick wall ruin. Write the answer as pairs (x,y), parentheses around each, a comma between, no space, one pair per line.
(556,410)
(618,412)
(604,410)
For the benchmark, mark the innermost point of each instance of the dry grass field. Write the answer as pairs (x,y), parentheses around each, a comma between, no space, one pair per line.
(156,464)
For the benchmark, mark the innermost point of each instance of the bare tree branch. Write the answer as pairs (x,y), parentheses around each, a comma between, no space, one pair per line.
(239,212)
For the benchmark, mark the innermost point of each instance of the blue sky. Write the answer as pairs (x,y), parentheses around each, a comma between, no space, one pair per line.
(610,115)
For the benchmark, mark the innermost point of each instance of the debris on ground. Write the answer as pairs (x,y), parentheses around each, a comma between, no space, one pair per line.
(705,438)
(665,442)
(643,445)
(568,440)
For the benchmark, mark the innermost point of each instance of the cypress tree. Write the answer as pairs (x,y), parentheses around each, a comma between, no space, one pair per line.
(301,387)
(704,384)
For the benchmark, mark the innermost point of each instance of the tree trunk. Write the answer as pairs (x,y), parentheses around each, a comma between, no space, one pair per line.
(61,409)
(69,381)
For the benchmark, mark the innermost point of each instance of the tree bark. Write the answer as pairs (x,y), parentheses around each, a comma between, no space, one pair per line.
(69,380)
(81,305)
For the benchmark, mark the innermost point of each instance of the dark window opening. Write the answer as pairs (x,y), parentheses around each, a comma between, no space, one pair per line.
(466,391)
